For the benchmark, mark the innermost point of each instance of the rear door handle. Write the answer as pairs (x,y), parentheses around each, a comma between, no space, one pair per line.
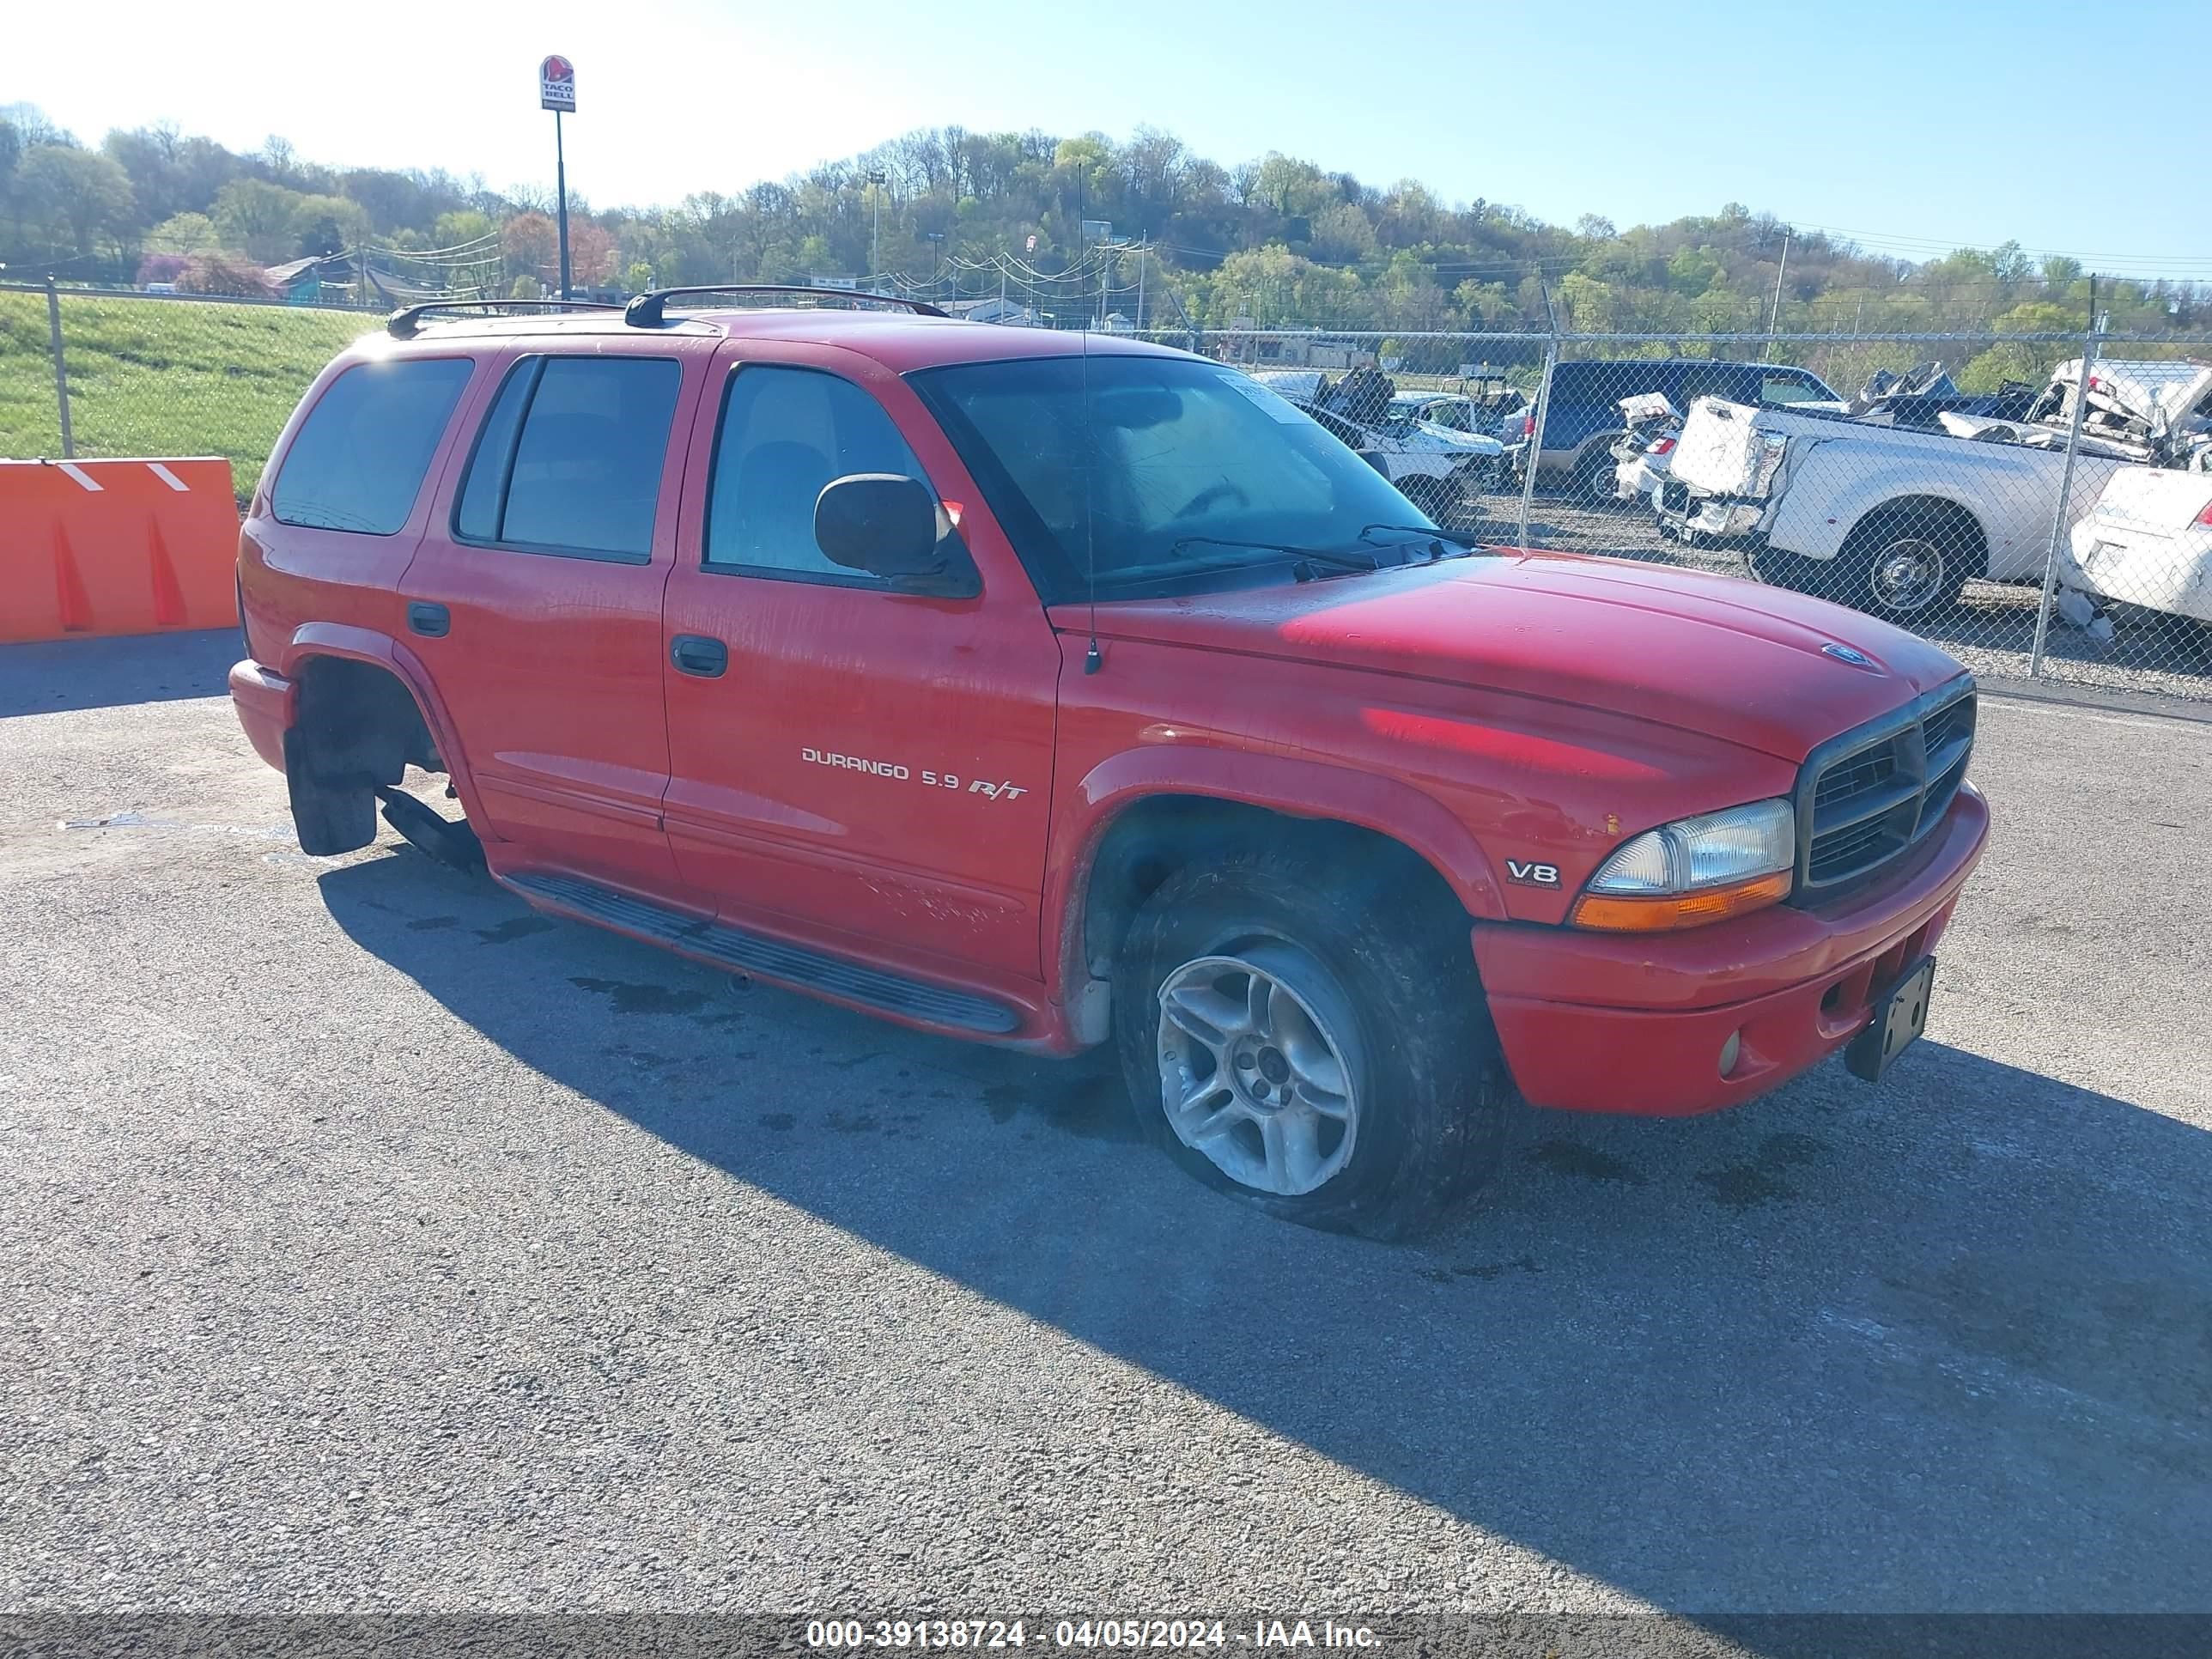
(696,654)
(432,621)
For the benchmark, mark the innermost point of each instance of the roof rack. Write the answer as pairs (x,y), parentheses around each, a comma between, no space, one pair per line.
(407,323)
(646,310)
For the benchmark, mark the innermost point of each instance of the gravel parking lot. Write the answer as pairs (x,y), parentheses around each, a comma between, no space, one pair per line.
(370,1242)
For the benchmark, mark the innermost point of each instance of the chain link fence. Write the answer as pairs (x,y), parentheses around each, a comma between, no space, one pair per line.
(2040,505)
(85,373)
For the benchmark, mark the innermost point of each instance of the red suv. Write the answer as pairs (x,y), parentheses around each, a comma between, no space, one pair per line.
(1053,690)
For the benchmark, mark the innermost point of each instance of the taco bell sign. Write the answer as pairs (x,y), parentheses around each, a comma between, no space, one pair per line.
(556,85)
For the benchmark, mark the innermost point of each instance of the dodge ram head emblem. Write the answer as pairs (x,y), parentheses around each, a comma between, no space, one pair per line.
(1845,654)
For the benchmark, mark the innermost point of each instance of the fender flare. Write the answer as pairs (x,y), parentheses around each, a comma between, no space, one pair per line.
(367,645)
(1281,783)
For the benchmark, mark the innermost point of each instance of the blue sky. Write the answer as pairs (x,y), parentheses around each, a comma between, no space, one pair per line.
(1916,126)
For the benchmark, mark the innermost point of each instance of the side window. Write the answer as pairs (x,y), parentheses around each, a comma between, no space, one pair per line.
(1707,380)
(359,458)
(570,456)
(786,434)
(1788,388)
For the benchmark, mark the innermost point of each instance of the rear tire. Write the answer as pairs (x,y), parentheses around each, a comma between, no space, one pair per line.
(1907,567)
(1324,1059)
(1589,484)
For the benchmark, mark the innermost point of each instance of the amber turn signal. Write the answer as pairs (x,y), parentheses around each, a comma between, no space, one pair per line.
(1658,914)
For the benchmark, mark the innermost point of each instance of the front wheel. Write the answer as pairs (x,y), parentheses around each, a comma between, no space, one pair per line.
(1322,1058)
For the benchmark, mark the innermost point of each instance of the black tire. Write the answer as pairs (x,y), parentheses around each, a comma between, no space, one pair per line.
(1594,468)
(1431,1090)
(1937,553)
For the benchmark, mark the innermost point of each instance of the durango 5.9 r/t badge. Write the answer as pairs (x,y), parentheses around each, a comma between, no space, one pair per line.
(881,769)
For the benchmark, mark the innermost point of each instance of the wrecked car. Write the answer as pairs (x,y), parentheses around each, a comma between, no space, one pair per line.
(2147,547)
(1921,396)
(1642,453)
(2156,412)
(1894,520)
(1433,466)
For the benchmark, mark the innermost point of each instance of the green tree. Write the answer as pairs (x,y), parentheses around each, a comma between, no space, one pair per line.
(256,215)
(183,232)
(80,191)
(453,229)
(324,225)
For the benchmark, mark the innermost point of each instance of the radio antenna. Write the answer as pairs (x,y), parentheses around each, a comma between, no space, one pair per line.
(1092,660)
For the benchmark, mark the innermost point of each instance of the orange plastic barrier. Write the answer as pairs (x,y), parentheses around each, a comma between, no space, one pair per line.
(116,547)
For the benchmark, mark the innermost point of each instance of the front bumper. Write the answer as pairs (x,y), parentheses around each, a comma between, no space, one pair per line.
(267,704)
(1718,517)
(1610,1023)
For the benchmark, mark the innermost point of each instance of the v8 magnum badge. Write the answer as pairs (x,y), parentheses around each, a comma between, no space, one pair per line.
(990,789)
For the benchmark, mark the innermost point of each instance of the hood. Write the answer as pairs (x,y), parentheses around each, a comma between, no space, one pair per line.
(1468,443)
(1711,654)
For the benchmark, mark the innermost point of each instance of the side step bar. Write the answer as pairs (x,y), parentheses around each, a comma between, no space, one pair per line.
(746,952)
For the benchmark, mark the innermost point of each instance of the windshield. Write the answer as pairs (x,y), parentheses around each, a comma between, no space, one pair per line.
(1198,477)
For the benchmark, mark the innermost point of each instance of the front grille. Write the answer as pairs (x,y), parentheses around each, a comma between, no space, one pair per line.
(1866,797)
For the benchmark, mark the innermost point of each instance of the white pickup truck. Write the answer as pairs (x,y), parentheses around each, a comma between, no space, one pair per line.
(1889,520)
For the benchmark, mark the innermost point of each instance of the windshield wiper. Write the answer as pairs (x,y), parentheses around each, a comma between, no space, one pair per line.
(1460,538)
(1351,558)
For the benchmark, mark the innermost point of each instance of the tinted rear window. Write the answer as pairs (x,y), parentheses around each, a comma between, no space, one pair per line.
(570,456)
(359,458)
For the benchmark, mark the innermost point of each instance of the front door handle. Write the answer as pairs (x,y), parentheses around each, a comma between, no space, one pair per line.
(432,621)
(698,655)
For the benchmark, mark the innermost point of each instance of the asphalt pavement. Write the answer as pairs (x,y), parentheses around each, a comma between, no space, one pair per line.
(367,1242)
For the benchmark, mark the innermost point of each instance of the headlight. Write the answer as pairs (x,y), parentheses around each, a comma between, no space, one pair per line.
(1694,871)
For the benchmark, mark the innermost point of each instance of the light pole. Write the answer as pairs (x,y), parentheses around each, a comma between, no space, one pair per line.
(875,237)
(936,240)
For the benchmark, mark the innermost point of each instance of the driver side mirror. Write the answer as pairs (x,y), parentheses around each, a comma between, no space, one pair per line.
(886,526)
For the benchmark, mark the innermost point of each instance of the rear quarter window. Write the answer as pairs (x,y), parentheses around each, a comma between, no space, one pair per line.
(570,456)
(358,461)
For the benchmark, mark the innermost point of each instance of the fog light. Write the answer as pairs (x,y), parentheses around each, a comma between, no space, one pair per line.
(1729,1051)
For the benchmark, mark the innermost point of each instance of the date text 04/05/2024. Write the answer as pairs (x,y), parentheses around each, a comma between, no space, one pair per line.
(1113,1634)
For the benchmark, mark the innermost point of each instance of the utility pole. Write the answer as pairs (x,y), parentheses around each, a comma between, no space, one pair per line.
(1141,248)
(875,237)
(1774,317)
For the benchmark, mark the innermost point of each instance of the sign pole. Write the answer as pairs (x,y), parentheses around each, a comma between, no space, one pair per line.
(557,91)
(561,190)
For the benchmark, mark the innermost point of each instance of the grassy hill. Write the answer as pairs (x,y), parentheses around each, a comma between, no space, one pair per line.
(162,377)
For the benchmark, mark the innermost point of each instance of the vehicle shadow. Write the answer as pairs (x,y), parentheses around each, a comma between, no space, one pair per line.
(58,676)
(1944,1346)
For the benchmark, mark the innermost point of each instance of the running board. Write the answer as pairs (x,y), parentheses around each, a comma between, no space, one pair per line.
(746,952)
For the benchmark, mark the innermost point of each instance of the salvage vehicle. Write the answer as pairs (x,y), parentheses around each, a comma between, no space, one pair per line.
(1058,691)
(2147,548)
(1643,452)
(1924,394)
(1581,411)
(1895,521)
(1434,465)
